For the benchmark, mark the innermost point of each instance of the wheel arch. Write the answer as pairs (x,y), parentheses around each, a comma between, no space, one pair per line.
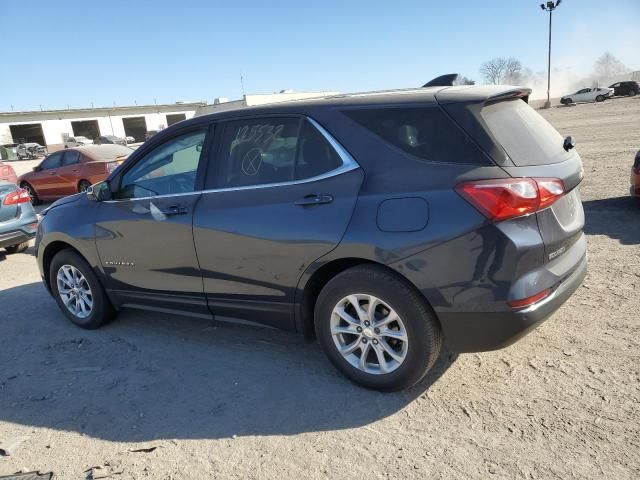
(49,252)
(305,320)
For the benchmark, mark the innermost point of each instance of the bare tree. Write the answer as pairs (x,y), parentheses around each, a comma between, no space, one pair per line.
(493,70)
(608,66)
(512,71)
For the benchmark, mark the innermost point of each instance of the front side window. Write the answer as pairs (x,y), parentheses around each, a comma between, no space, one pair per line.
(51,162)
(263,151)
(168,169)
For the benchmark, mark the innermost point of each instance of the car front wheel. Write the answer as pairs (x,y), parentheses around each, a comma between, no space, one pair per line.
(376,329)
(600,98)
(78,292)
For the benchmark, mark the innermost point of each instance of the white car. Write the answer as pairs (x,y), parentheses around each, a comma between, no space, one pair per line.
(129,139)
(77,142)
(598,94)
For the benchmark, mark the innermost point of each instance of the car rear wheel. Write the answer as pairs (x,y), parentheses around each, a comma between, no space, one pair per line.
(632,93)
(78,292)
(21,247)
(376,329)
(32,193)
(600,98)
(83,186)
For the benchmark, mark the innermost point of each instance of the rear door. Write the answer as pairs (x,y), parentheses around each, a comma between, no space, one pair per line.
(280,193)
(535,149)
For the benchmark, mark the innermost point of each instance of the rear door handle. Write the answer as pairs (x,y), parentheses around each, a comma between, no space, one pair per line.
(174,210)
(314,200)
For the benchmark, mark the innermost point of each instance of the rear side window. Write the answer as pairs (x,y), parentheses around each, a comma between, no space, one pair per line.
(524,135)
(426,133)
(261,151)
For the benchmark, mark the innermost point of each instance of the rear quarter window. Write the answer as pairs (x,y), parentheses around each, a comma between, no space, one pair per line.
(526,137)
(426,133)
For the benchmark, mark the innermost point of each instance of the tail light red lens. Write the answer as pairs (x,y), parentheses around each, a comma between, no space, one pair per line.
(506,198)
(19,196)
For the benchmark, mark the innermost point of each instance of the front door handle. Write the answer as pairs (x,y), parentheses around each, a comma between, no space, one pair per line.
(174,210)
(314,200)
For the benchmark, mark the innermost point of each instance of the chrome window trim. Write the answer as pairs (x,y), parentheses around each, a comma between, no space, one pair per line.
(348,164)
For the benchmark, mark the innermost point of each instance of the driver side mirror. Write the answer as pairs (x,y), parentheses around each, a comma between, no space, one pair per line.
(37,168)
(99,192)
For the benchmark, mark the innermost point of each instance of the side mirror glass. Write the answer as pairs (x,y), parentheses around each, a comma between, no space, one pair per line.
(99,192)
(569,143)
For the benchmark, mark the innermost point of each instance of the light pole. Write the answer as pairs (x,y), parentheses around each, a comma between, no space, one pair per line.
(549,7)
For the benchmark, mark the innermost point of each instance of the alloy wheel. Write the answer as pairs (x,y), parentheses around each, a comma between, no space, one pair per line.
(74,290)
(369,334)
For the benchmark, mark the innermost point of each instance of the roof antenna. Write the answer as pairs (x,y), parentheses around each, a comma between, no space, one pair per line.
(242,83)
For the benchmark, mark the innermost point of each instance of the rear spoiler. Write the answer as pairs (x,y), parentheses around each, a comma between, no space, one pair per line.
(485,94)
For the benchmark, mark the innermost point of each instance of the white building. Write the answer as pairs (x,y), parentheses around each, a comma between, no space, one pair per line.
(50,127)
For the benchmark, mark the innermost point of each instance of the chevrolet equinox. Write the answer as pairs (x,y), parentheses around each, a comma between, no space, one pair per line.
(388,224)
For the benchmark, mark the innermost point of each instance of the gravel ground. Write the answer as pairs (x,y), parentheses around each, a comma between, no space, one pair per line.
(221,401)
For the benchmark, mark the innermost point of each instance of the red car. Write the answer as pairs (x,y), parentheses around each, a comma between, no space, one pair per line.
(72,170)
(7,173)
(635,177)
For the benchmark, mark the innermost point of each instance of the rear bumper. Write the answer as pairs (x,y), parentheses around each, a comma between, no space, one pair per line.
(484,331)
(16,237)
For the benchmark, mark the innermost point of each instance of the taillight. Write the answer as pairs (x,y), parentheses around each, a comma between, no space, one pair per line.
(19,196)
(506,198)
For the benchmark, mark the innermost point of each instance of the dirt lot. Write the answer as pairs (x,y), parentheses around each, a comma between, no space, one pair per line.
(222,401)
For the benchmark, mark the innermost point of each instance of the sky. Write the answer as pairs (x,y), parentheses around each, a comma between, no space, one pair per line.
(75,53)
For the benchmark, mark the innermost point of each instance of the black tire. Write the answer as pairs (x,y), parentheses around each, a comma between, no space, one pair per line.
(632,93)
(83,185)
(600,98)
(422,329)
(102,310)
(568,101)
(32,193)
(13,249)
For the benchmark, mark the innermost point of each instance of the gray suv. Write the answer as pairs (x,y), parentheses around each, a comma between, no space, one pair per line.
(387,225)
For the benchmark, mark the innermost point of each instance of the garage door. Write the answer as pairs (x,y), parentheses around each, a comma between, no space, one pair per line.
(86,128)
(28,133)
(175,118)
(135,127)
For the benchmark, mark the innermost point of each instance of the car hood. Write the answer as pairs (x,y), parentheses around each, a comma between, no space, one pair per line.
(64,201)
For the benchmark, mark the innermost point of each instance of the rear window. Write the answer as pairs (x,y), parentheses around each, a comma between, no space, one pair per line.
(426,133)
(523,134)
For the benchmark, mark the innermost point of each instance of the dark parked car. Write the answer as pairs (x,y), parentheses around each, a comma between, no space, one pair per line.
(629,88)
(385,223)
(18,220)
(109,139)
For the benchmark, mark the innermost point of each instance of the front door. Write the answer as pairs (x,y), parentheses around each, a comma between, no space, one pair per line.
(68,174)
(144,235)
(45,180)
(280,196)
